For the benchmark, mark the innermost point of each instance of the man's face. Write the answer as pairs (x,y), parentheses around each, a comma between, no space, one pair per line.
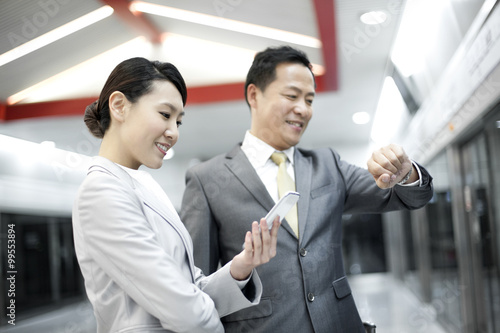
(280,114)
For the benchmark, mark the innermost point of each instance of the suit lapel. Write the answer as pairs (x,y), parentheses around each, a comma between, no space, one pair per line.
(303,180)
(238,164)
(173,219)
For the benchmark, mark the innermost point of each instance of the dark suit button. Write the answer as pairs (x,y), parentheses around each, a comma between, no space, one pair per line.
(310,297)
(303,252)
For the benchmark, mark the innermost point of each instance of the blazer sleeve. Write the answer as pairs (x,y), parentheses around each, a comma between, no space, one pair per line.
(198,219)
(225,292)
(118,238)
(360,187)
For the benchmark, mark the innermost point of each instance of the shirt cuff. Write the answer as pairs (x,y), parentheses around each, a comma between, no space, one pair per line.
(416,182)
(242,283)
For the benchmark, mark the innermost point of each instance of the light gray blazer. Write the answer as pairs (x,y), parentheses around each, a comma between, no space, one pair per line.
(137,261)
(305,285)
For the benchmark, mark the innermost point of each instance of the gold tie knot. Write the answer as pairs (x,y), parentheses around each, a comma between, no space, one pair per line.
(278,158)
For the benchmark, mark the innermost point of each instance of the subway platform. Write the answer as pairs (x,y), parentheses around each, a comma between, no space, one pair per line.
(380,298)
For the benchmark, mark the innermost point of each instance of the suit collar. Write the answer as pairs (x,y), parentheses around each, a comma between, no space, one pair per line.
(102,163)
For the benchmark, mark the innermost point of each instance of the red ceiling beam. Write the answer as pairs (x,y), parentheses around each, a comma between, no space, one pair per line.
(136,21)
(76,107)
(216,93)
(70,107)
(325,16)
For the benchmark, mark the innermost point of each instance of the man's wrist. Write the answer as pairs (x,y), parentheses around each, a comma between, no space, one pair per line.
(405,179)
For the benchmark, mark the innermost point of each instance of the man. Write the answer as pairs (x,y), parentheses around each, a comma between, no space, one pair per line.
(305,286)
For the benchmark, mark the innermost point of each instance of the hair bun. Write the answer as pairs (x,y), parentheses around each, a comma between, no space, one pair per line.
(92,119)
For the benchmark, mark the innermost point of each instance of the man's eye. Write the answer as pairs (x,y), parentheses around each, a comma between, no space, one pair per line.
(309,101)
(179,123)
(291,96)
(166,115)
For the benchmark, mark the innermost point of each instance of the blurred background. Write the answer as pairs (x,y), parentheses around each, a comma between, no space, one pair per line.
(423,74)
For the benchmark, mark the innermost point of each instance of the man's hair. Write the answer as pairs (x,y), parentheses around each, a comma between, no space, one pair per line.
(263,69)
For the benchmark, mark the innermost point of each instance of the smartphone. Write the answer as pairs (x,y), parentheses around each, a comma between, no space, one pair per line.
(282,207)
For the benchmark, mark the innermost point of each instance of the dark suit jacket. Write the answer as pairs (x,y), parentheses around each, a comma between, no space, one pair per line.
(305,286)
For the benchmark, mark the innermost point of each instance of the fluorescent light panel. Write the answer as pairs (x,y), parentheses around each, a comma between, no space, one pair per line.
(374,17)
(77,76)
(389,113)
(224,23)
(56,34)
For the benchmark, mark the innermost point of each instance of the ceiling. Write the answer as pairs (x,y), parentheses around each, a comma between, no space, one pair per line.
(351,63)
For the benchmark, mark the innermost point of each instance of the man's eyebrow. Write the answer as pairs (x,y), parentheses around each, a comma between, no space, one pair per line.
(311,93)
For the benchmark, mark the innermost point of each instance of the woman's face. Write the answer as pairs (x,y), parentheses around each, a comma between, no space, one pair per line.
(150,126)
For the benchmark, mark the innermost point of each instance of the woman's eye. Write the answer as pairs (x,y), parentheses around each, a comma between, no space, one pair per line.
(179,123)
(166,115)
(309,101)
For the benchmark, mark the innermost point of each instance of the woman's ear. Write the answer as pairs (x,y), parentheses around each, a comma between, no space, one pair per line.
(117,104)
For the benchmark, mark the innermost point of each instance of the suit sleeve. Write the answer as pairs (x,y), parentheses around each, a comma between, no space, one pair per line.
(198,219)
(360,187)
(117,236)
(226,293)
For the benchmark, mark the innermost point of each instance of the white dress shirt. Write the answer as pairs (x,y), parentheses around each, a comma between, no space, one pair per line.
(259,154)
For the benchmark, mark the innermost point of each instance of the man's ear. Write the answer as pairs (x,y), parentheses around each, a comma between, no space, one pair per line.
(117,104)
(252,92)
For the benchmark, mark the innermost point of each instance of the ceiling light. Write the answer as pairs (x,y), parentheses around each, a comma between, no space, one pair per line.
(81,80)
(361,118)
(374,17)
(390,110)
(56,34)
(224,23)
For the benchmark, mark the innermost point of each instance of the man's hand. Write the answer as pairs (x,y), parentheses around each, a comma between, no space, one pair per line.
(389,165)
(259,248)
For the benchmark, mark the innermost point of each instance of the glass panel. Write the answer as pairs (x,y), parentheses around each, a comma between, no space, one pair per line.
(444,285)
(492,235)
(479,214)
(363,244)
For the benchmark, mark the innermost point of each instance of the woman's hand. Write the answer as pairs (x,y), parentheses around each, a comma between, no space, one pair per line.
(259,248)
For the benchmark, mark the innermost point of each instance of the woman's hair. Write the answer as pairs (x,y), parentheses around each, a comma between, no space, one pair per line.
(263,69)
(134,78)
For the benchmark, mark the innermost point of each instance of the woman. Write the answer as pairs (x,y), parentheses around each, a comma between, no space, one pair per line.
(133,250)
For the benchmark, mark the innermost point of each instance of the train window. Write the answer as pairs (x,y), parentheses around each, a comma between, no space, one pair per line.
(45,268)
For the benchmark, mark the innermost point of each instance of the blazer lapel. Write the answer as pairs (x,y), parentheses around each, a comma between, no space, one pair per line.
(172,219)
(303,180)
(239,165)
